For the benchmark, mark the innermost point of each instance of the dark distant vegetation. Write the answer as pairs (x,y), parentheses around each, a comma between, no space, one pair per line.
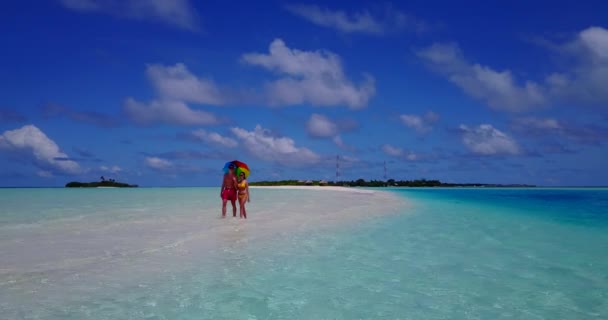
(379,183)
(103,183)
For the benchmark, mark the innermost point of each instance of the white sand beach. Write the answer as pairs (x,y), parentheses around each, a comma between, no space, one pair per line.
(106,236)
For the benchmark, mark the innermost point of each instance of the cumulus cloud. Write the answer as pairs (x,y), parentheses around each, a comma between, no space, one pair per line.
(399,152)
(320,126)
(487,140)
(582,76)
(589,134)
(157,163)
(585,80)
(169,168)
(176,86)
(31,142)
(358,22)
(341,144)
(262,144)
(498,89)
(166,111)
(177,13)
(422,124)
(214,138)
(391,150)
(314,77)
(178,83)
(537,123)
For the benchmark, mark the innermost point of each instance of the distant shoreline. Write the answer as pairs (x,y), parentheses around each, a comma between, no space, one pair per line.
(100,184)
(391,183)
(316,188)
(253,184)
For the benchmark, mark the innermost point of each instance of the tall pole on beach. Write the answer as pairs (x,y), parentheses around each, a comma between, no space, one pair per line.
(384,170)
(337,167)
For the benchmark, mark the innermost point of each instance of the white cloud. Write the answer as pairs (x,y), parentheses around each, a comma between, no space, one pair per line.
(347,163)
(178,83)
(392,151)
(214,137)
(422,124)
(166,111)
(178,13)
(158,163)
(588,133)
(411,156)
(399,152)
(44,174)
(343,145)
(348,159)
(314,77)
(487,140)
(175,86)
(112,169)
(582,79)
(31,142)
(585,80)
(595,39)
(357,22)
(320,126)
(340,143)
(497,89)
(538,123)
(261,144)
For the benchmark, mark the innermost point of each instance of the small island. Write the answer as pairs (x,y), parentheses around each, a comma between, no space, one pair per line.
(104,183)
(387,183)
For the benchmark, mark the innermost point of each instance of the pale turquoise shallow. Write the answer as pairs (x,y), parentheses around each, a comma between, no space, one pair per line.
(448,254)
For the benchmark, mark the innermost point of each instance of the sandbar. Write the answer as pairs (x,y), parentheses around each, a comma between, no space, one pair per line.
(316,188)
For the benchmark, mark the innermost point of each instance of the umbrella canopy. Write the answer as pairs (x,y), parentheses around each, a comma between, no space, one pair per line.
(240,167)
(227,166)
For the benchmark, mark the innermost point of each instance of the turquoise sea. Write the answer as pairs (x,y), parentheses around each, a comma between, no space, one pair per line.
(155,253)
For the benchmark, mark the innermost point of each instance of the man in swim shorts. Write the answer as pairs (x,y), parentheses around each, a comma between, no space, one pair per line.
(228,191)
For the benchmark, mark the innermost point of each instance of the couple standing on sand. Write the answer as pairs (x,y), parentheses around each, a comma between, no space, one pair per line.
(231,187)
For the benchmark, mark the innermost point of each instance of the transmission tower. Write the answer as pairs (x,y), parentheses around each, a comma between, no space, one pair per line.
(337,167)
(384,170)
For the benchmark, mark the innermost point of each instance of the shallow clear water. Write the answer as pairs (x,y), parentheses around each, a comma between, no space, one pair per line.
(447,254)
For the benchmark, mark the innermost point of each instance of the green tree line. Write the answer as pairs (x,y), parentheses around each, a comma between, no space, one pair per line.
(378,183)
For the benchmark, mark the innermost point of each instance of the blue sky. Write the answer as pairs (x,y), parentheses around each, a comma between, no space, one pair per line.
(164,93)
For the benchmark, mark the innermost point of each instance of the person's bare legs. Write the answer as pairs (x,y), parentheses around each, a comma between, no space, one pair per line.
(243,212)
(244,209)
(224,202)
(240,207)
(234,208)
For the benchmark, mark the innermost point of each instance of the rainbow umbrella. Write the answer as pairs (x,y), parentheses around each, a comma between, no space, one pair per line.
(240,167)
(227,166)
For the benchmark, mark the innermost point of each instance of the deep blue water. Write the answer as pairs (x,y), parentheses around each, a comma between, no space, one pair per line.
(574,205)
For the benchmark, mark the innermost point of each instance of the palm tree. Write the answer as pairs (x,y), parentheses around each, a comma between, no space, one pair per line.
(103,179)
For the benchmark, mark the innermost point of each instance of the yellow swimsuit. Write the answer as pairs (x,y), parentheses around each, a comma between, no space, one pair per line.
(242,186)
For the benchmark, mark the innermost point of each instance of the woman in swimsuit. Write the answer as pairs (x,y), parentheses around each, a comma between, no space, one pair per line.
(243,188)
